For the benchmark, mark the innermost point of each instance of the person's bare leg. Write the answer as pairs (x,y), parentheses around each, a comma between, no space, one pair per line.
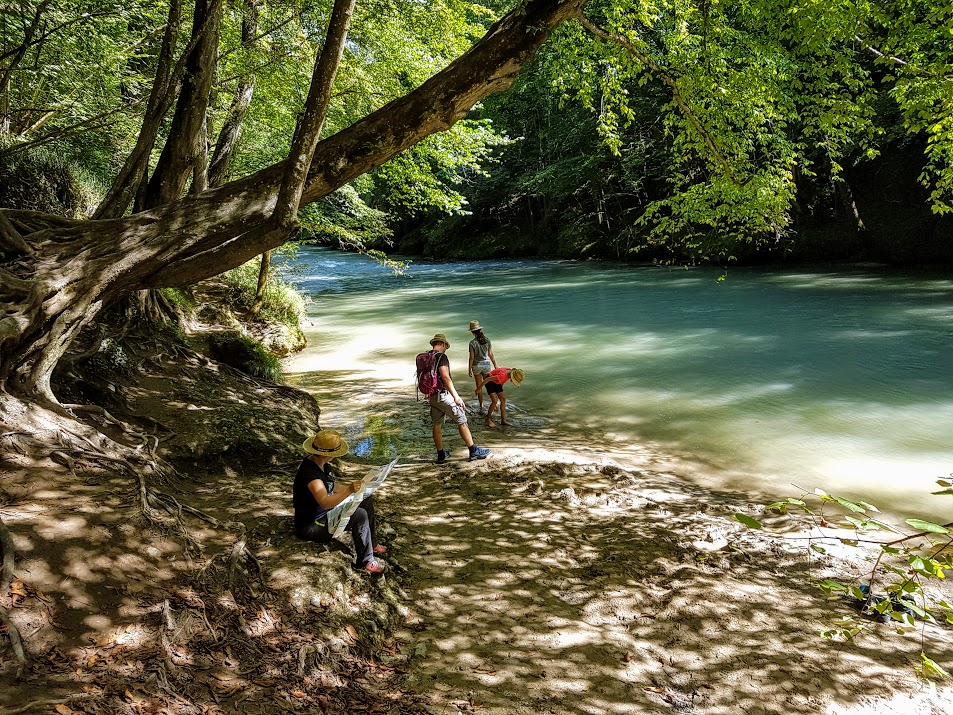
(489,413)
(438,437)
(479,389)
(503,409)
(465,434)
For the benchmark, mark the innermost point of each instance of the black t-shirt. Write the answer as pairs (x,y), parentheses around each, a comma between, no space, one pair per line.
(307,509)
(442,359)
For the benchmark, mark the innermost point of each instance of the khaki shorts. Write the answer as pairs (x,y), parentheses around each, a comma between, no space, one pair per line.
(443,408)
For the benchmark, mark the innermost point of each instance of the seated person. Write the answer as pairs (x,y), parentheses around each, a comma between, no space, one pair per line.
(494,388)
(314,495)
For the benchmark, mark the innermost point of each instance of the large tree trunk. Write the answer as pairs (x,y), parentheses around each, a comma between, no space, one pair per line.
(185,145)
(232,126)
(56,275)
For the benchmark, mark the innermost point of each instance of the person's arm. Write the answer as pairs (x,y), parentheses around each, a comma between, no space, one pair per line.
(492,359)
(470,364)
(329,501)
(444,372)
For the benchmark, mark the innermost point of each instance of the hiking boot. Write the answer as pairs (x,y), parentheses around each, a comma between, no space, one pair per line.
(442,455)
(478,453)
(372,567)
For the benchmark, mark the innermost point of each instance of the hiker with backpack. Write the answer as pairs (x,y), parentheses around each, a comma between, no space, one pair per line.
(481,358)
(494,387)
(434,381)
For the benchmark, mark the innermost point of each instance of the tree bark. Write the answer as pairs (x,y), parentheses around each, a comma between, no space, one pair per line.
(76,268)
(182,149)
(128,181)
(232,126)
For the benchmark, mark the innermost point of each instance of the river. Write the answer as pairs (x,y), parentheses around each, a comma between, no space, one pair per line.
(762,378)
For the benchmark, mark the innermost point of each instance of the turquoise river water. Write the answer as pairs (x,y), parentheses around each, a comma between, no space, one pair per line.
(764,378)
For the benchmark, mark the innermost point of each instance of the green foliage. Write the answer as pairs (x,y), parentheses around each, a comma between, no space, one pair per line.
(111,359)
(246,355)
(902,569)
(345,220)
(281,302)
(42,180)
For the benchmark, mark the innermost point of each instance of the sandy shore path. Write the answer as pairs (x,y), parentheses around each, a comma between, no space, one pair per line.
(558,581)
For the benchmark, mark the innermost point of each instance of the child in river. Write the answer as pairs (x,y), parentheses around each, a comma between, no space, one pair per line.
(494,388)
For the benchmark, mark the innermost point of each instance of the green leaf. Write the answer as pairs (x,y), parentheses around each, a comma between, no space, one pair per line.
(818,548)
(853,506)
(929,669)
(831,586)
(922,525)
(892,550)
(748,521)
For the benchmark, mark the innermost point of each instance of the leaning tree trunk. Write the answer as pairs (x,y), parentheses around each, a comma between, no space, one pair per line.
(56,275)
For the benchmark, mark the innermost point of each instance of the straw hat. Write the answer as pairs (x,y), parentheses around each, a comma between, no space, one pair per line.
(326,443)
(440,338)
(516,376)
(475,325)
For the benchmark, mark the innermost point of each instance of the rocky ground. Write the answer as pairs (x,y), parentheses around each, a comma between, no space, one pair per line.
(540,580)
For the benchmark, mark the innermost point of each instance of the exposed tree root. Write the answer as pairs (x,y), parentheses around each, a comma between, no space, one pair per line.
(6,545)
(37,704)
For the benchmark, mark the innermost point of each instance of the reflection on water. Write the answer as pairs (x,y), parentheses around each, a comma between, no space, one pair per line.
(841,379)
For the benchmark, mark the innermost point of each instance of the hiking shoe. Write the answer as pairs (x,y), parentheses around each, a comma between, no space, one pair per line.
(478,453)
(372,567)
(442,455)
(380,549)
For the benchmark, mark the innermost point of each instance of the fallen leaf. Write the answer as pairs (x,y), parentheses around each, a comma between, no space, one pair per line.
(351,631)
(654,690)
(299,693)
(627,657)
(64,709)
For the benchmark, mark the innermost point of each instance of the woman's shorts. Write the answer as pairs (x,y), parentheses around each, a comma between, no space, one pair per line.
(443,408)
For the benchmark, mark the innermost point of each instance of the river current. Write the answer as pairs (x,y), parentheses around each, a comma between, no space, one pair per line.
(765,378)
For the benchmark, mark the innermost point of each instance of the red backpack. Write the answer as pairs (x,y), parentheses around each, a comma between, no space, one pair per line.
(428,381)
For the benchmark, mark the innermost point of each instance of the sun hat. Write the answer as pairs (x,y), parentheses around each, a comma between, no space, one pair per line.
(440,338)
(326,443)
(475,325)
(516,376)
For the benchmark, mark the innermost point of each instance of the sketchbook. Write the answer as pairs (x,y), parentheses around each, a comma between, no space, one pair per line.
(340,515)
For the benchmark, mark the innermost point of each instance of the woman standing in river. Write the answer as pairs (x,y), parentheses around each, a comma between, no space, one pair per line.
(481,358)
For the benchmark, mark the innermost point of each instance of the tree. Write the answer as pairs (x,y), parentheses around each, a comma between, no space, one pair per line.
(58,274)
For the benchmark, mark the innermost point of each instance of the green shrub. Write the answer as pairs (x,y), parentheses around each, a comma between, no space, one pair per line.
(246,355)
(281,302)
(42,180)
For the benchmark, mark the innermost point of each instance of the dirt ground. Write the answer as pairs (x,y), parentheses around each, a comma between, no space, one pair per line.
(541,580)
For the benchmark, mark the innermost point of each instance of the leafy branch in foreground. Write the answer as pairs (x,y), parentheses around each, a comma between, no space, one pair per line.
(902,569)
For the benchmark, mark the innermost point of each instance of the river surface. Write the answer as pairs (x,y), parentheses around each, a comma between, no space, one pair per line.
(839,379)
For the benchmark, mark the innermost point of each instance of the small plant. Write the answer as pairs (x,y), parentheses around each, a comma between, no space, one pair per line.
(111,359)
(893,591)
(245,354)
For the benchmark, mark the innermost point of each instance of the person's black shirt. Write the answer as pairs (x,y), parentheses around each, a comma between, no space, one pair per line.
(307,509)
